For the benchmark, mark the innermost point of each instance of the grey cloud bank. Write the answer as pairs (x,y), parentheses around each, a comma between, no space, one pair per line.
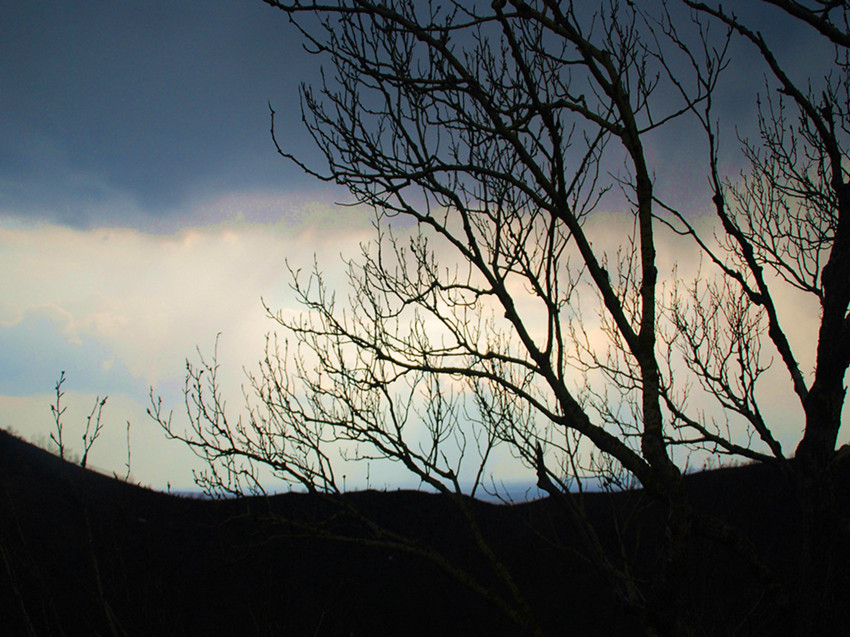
(118,113)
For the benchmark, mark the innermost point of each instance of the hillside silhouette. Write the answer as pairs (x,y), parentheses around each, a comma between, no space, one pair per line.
(82,553)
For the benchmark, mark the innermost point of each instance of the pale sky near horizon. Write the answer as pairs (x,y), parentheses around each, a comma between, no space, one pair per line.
(143,208)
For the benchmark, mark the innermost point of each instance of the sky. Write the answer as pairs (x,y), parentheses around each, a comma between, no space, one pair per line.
(144,211)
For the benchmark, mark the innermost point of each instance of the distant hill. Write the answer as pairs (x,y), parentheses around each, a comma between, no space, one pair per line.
(83,553)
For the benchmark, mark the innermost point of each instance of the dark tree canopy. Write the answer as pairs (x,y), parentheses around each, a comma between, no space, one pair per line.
(495,312)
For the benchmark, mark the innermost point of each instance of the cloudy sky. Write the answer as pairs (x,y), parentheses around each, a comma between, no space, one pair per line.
(143,209)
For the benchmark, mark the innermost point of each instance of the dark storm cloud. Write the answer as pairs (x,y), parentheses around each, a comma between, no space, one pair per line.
(116,113)
(120,113)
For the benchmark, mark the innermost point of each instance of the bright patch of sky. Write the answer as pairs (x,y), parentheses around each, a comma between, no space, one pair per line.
(120,310)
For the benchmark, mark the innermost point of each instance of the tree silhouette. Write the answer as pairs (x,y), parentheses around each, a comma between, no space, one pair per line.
(494,311)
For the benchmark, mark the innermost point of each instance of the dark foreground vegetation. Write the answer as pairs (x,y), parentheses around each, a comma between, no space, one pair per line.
(83,553)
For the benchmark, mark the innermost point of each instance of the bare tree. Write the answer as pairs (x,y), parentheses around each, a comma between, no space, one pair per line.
(92,431)
(493,312)
(58,411)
